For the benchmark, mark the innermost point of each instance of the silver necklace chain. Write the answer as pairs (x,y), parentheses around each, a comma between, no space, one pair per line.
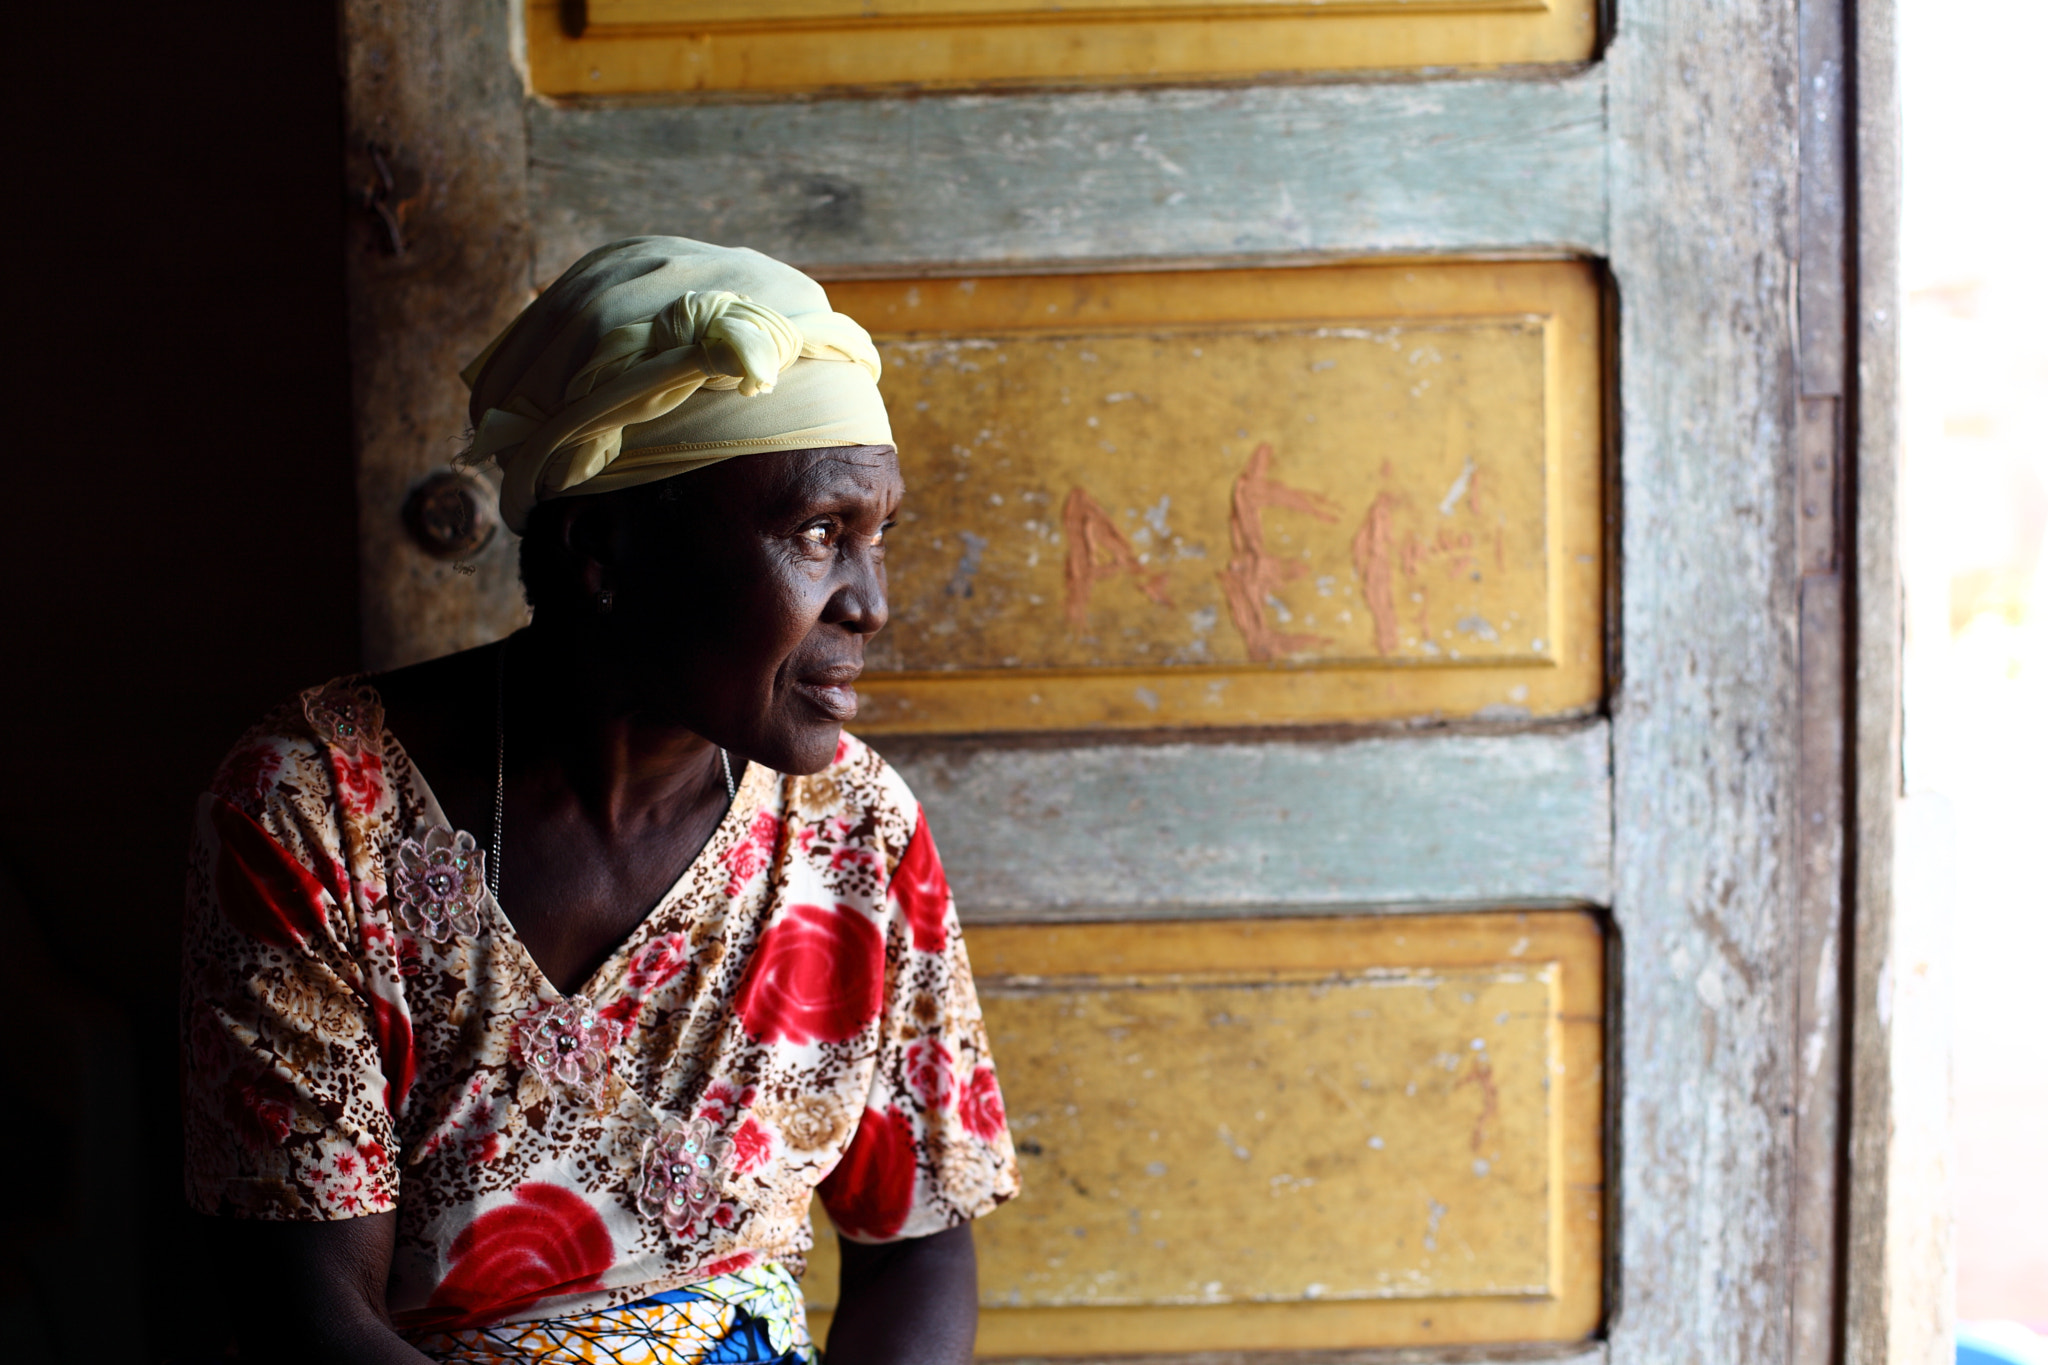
(497,860)
(498,798)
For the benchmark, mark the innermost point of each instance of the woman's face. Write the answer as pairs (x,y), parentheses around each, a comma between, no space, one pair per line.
(744,598)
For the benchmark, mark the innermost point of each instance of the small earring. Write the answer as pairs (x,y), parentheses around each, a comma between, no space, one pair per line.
(604,600)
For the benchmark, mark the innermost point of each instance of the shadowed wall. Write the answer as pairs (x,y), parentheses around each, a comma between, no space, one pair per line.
(179,555)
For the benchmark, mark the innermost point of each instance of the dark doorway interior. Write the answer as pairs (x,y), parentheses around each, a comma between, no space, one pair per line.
(179,556)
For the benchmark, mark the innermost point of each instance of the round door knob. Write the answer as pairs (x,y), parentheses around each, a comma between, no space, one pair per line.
(449,514)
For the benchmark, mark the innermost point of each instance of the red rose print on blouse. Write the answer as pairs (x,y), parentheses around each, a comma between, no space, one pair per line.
(981,1105)
(657,964)
(308,1093)
(654,966)
(752,852)
(547,1241)
(359,781)
(868,1193)
(260,1104)
(722,1102)
(248,776)
(919,886)
(928,1070)
(727,1266)
(751,1147)
(263,890)
(816,977)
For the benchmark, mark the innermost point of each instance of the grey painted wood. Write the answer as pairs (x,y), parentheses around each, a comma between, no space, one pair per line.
(1705,194)
(1184,828)
(1824,127)
(1456,165)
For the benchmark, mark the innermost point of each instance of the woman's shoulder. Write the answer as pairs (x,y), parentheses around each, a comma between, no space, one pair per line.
(292,749)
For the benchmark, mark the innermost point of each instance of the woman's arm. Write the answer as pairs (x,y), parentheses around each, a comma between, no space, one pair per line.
(313,1293)
(905,1303)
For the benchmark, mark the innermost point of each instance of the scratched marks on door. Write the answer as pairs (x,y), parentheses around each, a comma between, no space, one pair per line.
(1240,496)
(1369,495)
(1096,549)
(1255,574)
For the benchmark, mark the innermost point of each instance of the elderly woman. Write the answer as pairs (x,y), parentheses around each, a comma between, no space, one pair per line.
(532,991)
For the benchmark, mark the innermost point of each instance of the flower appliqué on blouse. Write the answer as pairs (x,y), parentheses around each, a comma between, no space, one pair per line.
(342,714)
(569,1045)
(439,885)
(680,1166)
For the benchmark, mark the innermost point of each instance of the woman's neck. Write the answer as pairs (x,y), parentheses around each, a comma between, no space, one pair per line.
(569,720)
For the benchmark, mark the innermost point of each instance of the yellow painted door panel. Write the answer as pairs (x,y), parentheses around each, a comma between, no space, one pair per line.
(1306,1133)
(650,46)
(1340,493)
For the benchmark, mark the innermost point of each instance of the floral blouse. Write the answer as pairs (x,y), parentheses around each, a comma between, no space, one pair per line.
(364,1032)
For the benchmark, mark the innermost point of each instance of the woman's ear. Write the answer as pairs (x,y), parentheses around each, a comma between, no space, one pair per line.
(594,543)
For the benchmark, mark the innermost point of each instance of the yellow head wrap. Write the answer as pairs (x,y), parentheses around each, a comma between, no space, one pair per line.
(657,355)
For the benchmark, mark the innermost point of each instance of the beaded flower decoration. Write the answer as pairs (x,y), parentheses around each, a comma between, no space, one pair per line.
(342,714)
(680,1167)
(439,885)
(568,1044)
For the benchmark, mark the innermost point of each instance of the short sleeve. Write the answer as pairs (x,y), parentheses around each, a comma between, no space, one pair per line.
(286,1101)
(932,1149)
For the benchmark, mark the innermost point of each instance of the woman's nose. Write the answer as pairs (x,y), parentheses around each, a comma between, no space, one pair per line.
(862,602)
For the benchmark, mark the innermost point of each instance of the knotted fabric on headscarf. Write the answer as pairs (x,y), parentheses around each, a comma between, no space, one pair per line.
(657,355)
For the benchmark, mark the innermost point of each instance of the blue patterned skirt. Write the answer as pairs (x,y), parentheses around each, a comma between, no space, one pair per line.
(753,1317)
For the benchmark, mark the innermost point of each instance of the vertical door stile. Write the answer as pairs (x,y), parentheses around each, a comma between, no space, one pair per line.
(1819,927)
(1899,1291)
(1705,213)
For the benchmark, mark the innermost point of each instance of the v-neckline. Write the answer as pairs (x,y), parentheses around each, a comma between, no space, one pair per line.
(739,815)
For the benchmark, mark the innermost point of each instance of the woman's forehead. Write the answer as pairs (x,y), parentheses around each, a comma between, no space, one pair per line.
(837,470)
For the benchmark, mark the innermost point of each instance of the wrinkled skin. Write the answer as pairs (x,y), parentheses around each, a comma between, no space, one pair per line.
(739,614)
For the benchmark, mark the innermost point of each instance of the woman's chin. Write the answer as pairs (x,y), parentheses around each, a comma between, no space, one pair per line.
(818,752)
(799,750)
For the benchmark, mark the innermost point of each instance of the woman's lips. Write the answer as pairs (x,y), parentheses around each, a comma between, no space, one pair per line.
(834,699)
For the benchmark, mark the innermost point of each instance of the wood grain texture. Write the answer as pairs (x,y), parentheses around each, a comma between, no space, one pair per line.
(1900,1302)
(1817,935)
(1441,166)
(1074,831)
(1705,200)
(1819,930)
(1824,199)
(435,84)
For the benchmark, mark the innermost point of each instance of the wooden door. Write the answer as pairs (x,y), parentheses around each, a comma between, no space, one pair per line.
(1392,624)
